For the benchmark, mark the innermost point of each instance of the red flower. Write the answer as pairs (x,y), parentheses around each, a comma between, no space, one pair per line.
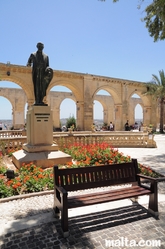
(40,176)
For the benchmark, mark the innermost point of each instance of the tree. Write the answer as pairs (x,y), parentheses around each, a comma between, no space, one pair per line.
(154,19)
(156,88)
(71,122)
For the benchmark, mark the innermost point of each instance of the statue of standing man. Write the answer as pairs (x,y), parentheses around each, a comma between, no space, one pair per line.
(42,74)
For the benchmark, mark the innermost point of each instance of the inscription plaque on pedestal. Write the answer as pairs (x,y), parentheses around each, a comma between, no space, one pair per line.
(39,126)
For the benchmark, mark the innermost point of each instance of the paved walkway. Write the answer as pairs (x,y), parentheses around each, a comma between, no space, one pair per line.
(29,223)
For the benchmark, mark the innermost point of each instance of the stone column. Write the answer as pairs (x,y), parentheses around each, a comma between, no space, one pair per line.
(105,116)
(147,115)
(88,103)
(80,112)
(125,107)
(118,115)
(56,117)
(19,119)
(19,113)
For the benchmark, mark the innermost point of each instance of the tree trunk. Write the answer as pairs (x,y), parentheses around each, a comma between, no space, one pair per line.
(161,114)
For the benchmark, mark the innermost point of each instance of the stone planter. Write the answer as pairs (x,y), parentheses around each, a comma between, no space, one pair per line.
(70,132)
(149,129)
(2,176)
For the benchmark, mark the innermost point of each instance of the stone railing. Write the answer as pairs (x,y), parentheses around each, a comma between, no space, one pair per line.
(12,133)
(116,139)
(12,142)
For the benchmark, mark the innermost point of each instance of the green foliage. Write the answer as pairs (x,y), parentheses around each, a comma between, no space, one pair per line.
(95,154)
(5,191)
(3,169)
(71,121)
(155,19)
(2,147)
(147,171)
(99,154)
(156,88)
(31,178)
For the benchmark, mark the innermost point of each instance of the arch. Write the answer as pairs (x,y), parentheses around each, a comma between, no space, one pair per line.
(11,100)
(146,100)
(55,100)
(21,83)
(66,97)
(94,112)
(69,84)
(77,96)
(138,105)
(63,96)
(102,101)
(6,99)
(18,99)
(137,100)
(70,110)
(111,91)
(108,102)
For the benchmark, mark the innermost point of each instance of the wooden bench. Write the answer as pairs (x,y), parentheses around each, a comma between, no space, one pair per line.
(74,179)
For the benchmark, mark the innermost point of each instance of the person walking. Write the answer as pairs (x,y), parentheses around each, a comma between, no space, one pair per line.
(127,126)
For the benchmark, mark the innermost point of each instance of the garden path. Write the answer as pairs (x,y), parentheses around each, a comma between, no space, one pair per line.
(29,222)
(152,157)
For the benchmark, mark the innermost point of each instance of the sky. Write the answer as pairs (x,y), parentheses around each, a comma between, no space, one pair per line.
(94,37)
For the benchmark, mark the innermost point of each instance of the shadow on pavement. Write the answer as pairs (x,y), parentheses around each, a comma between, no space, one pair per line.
(81,228)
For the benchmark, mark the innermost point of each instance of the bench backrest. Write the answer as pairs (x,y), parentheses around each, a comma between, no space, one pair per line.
(96,176)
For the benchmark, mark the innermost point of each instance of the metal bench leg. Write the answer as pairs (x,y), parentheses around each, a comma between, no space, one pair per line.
(56,203)
(153,205)
(56,212)
(64,216)
(153,200)
(134,200)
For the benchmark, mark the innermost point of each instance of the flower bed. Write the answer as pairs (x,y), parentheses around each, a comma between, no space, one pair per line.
(30,178)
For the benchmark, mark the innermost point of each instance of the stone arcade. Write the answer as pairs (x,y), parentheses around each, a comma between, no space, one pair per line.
(84,87)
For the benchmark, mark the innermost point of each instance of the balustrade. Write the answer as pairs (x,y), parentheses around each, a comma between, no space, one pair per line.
(15,139)
(114,139)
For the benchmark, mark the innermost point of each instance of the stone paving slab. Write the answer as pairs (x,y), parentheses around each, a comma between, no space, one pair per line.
(152,157)
(30,223)
(23,213)
(91,230)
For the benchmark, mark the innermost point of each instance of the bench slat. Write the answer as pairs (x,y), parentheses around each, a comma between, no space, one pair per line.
(97,184)
(115,191)
(102,197)
(77,179)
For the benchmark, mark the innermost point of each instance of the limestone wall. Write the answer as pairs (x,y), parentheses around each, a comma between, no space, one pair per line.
(84,87)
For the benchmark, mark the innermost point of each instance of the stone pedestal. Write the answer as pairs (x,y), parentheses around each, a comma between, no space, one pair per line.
(39,126)
(40,148)
(40,159)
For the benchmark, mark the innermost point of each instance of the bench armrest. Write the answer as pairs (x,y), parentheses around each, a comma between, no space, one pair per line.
(61,190)
(60,197)
(153,183)
(147,177)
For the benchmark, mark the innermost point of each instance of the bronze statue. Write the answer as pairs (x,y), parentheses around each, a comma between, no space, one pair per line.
(42,74)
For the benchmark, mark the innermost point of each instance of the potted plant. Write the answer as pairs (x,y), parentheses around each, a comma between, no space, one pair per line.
(150,128)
